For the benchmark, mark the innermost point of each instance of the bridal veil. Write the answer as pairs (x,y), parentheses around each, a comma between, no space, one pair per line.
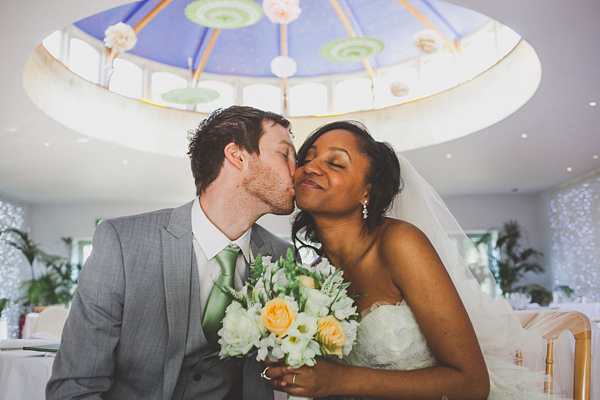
(498,329)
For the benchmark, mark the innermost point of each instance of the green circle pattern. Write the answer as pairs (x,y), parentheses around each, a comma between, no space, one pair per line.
(190,96)
(224,14)
(351,49)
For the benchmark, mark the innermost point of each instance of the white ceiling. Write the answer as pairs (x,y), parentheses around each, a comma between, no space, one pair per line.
(562,128)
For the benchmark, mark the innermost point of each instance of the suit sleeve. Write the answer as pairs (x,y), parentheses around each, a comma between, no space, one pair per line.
(84,365)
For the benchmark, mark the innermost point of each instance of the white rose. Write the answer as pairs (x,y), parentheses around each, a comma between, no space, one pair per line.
(317,303)
(240,330)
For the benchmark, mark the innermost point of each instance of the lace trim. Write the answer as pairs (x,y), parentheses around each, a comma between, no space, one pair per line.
(376,305)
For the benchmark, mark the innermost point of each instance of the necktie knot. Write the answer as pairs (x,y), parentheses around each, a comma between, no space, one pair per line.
(227,258)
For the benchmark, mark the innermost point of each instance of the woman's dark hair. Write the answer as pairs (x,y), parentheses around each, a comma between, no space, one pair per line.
(241,125)
(383,174)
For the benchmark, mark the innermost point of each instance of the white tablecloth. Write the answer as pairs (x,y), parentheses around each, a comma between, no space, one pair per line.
(23,376)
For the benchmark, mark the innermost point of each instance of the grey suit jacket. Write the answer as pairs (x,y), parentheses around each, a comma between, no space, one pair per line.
(132,332)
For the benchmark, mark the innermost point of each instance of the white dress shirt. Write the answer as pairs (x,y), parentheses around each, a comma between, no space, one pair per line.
(208,242)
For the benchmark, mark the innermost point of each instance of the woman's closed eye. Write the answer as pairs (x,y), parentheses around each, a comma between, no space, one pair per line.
(336,164)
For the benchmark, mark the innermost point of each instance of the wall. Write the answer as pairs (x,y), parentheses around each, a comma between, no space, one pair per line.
(484,212)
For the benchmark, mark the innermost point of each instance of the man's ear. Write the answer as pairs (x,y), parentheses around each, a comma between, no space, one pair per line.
(235,155)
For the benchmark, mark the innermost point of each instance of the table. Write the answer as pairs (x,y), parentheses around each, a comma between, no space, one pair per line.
(24,374)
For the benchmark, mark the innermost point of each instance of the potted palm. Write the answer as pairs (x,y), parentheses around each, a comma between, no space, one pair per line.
(53,285)
(513,261)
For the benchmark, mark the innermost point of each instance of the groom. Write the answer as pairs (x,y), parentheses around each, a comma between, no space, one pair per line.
(144,317)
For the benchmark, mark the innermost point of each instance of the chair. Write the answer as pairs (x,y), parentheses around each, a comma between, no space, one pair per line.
(579,325)
(51,320)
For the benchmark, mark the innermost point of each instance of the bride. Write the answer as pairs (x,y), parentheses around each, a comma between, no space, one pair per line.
(427,332)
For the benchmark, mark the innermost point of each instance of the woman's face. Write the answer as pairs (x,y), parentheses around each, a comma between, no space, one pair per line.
(332,179)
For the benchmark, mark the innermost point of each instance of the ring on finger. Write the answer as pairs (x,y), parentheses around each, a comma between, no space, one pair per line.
(294,380)
(264,374)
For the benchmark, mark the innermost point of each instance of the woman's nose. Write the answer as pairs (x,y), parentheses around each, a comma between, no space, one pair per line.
(313,167)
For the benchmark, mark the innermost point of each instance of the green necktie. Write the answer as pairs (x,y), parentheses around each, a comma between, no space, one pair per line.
(219,300)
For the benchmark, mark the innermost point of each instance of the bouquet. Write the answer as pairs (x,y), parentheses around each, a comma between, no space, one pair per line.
(291,311)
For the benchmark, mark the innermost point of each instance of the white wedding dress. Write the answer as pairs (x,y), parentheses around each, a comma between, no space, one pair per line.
(389,337)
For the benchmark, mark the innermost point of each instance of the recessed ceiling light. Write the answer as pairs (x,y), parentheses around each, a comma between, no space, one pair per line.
(83,140)
(12,130)
(595,156)
(47,144)
(569,169)
(593,103)
(448,155)
(524,135)
(125,162)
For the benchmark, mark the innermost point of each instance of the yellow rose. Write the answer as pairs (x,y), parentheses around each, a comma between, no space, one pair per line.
(277,316)
(331,334)
(307,281)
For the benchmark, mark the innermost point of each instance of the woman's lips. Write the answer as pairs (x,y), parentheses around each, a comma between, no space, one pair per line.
(307,183)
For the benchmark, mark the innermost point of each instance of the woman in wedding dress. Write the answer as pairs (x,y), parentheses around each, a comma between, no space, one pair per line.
(427,329)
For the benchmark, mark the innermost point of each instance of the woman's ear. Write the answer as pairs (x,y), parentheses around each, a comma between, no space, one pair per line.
(365,196)
(235,155)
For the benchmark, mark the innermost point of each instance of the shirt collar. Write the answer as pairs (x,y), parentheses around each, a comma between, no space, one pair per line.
(211,239)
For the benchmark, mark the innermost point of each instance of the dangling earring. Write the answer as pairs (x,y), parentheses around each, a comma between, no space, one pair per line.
(365,211)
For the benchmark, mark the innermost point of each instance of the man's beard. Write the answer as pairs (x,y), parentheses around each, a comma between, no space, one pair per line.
(269,188)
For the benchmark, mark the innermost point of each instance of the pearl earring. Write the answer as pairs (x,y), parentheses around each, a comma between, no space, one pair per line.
(365,211)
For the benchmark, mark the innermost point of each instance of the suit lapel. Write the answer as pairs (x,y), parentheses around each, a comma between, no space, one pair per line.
(177,252)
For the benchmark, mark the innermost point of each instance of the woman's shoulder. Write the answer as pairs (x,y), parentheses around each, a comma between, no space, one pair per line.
(396,231)
(402,240)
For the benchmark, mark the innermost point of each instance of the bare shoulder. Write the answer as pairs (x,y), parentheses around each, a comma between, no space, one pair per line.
(398,235)
(405,249)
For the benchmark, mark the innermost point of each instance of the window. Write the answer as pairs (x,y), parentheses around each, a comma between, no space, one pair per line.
(353,95)
(162,82)
(84,60)
(308,99)
(52,44)
(126,79)
(263,96)
(226,96)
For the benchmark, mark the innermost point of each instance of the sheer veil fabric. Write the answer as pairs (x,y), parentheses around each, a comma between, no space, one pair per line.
(498,330)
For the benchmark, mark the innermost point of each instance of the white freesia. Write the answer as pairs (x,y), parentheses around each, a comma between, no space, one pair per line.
(324,268)
(317,303)
(120,37)
(269,347)
(240,330)
(304,326)
(281,11)
(299,351)
(280,280)
(343,308)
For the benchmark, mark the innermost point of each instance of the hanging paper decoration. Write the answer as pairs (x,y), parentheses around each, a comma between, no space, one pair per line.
(428,41)
(120,37)
(190,96)
(281,11)
(351,49)
(283,66)
(399,89)
(224,14)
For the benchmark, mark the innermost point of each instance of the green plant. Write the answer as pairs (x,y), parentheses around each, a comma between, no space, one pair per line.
(54,285)
(539,294)
(3,303)
(512,262)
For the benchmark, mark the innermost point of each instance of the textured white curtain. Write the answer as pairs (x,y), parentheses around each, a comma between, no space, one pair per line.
(575,224)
